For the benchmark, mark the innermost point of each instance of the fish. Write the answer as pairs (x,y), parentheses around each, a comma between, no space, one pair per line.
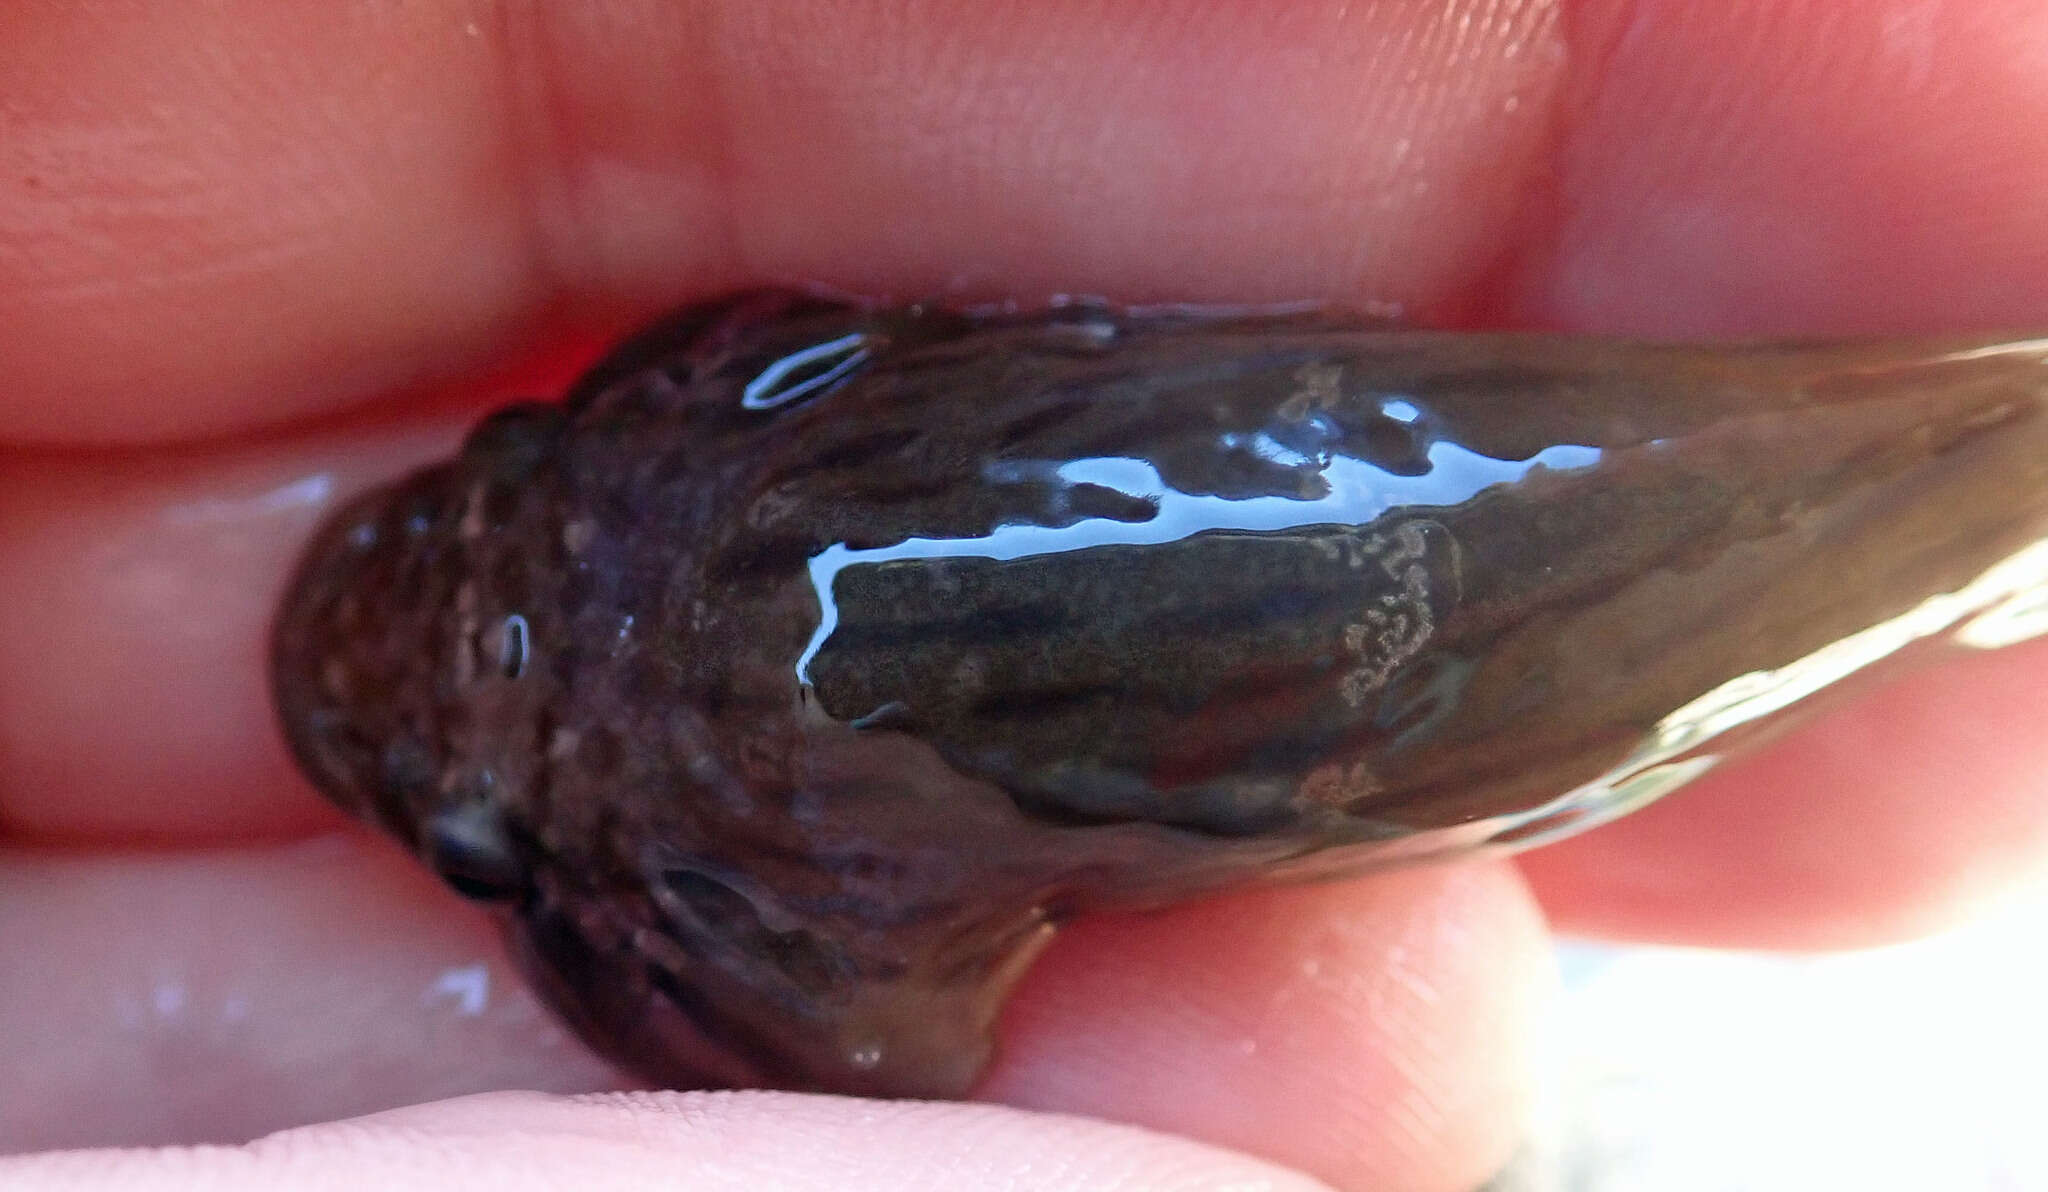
(788,683)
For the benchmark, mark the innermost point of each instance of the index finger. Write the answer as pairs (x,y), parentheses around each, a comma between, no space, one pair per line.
(233,214)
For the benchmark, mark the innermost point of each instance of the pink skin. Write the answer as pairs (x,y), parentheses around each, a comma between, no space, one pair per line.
(254,257)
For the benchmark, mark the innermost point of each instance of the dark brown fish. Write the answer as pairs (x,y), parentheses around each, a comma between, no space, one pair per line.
(792,680)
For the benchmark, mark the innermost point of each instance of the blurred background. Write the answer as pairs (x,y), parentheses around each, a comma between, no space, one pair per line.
(1918,1066)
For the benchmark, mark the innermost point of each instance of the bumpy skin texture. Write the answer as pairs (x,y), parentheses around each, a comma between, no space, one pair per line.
(792,680)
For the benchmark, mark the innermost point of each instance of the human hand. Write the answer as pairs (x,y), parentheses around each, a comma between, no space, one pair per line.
(253,258)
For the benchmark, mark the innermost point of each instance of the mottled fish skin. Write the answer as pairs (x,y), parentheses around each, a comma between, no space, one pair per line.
(793,678)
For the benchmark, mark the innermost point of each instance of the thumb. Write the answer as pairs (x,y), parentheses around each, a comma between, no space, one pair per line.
(511,1142)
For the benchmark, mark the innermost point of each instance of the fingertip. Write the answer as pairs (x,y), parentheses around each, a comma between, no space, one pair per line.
(1375,1033)
(1765,168)
(279,217)
(513,1142)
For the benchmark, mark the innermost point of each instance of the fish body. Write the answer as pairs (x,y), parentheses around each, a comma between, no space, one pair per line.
(791,680)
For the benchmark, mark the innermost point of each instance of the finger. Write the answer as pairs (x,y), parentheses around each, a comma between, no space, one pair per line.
(226,214)
(135,598)
(120,726)
(1772,168)
(1374,1034)
(213,272)
(512,1142)
(184,749)
(1895,816)
(216,996)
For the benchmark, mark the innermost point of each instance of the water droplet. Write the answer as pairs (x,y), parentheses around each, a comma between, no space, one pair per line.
(468,987)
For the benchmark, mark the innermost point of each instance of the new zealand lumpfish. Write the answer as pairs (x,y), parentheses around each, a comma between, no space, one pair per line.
(791,681)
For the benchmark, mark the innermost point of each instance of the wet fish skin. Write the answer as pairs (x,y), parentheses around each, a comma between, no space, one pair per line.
(790,681)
